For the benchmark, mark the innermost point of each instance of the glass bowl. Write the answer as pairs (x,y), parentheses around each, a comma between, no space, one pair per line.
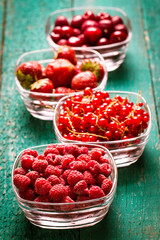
(113,54)
(125,152)
(41,105)
(83,214)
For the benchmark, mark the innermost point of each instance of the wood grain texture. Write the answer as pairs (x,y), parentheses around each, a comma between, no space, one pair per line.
(134,213)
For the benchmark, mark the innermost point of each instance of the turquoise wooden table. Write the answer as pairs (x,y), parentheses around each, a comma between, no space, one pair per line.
(135,211)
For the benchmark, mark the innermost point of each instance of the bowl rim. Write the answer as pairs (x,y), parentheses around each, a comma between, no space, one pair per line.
(113,45)
(107,197)
(25,91)
(145,134)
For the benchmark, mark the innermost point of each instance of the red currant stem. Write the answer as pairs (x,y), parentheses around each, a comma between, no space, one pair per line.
(71,114)
(139,97)
(89,134)
(47,106)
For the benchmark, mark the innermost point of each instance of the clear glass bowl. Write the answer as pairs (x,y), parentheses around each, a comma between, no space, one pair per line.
(125,152)
(83,214)
(113,54)
(41,105)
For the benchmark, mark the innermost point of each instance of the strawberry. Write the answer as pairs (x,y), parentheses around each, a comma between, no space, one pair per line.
(28,72)
(42,86)
(63,90)
(94,67)
(83,80)
(60,72)
(68,53)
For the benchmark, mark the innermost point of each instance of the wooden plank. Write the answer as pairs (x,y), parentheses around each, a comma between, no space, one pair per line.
(152,38)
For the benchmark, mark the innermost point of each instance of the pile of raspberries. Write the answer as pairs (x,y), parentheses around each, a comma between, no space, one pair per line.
(63,174)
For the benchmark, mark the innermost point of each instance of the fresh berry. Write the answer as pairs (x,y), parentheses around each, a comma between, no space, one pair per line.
(66,160)
(103,159)
(20,171)
(68,53)
(88,23)
(60,148)
(102,15)
(106,186)
(103,41)
(33,175)
(83,150)
(121,27)
(54,159)
(75,41)
(21,182)
(66,173)
(81,188)
(28,72)
(116,20)
(42,186)
(67,207)
(93,166)
(89,178)
(30,152)
(61,21)
(96,192)
(28,194)
(71,149)
(57,193)
(105,169)
(83,80)
(51,149)
(44,198)
(77,21)
(100,179)
(84,157)
(39,165)
(88,15)
(74,176)
(93,66)
(78,165)
(42,86)
(118,36)
(92,35)
(60,72)
(70,192)
(52,170)
(53,179)
(106,26)
(96,154)
(27,161)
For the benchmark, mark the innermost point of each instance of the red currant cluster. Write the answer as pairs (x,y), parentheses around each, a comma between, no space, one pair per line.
(96,117)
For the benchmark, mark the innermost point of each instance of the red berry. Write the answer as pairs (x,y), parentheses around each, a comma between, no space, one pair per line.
(39,165)
(74,177)
(118,36)
(28,194)
(42,186)
(71,149)
(74,41)
(92,35)
(96,192)
(66,32)
(116,20)
(80,188)
(93,166)
(77,21)
(52,170)
(53,180)
(20,171)
(61,21)
(21,182)
(89,178)
(67,159)
(103,41)
(88,15)
(78,165)
(106,26)
(106,186)
(62,42)
(30,152)
(33,175)
(57,193)
(67,207)
(121,27)
(27,161)
(105,169)
(84,157)
(44,198)
(100,179)
(51,149)
(102,15)
(88,23)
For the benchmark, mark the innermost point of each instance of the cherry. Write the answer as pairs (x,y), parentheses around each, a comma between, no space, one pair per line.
(108,134)
(74,41)
(57,29)
(61,21)
(116,20)
(92,35)
(88,91)
(76,32)
(121,27)
(66,32)
(81,37)
(55,36)
(77,21)
(106,26)
(103,41)
(102,15)
(89,15)
(62,42)
(88,23)
(117,36)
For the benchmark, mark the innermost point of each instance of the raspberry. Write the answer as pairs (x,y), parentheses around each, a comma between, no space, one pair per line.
(89,178)
(81,199)
(40,157)
(51,149)
(57,193)
(42,186)
(28,194)
(66,173)
(71,194)
(20,171)
(74,177)
(62,181)
(106,186)
(67,207)
(93,166)
(103,159)
(84,157)
(67,159)
(21,182)
(33,175)
(100,179)
(39,165)
(71,149)
(52,170)
(53,180)
(60,148)
(96,153)
(105,169)
(83,150)
(30,152)
(78,165)
(44,198)
(96,192)
(81,188)
(54,159)
(26,161)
